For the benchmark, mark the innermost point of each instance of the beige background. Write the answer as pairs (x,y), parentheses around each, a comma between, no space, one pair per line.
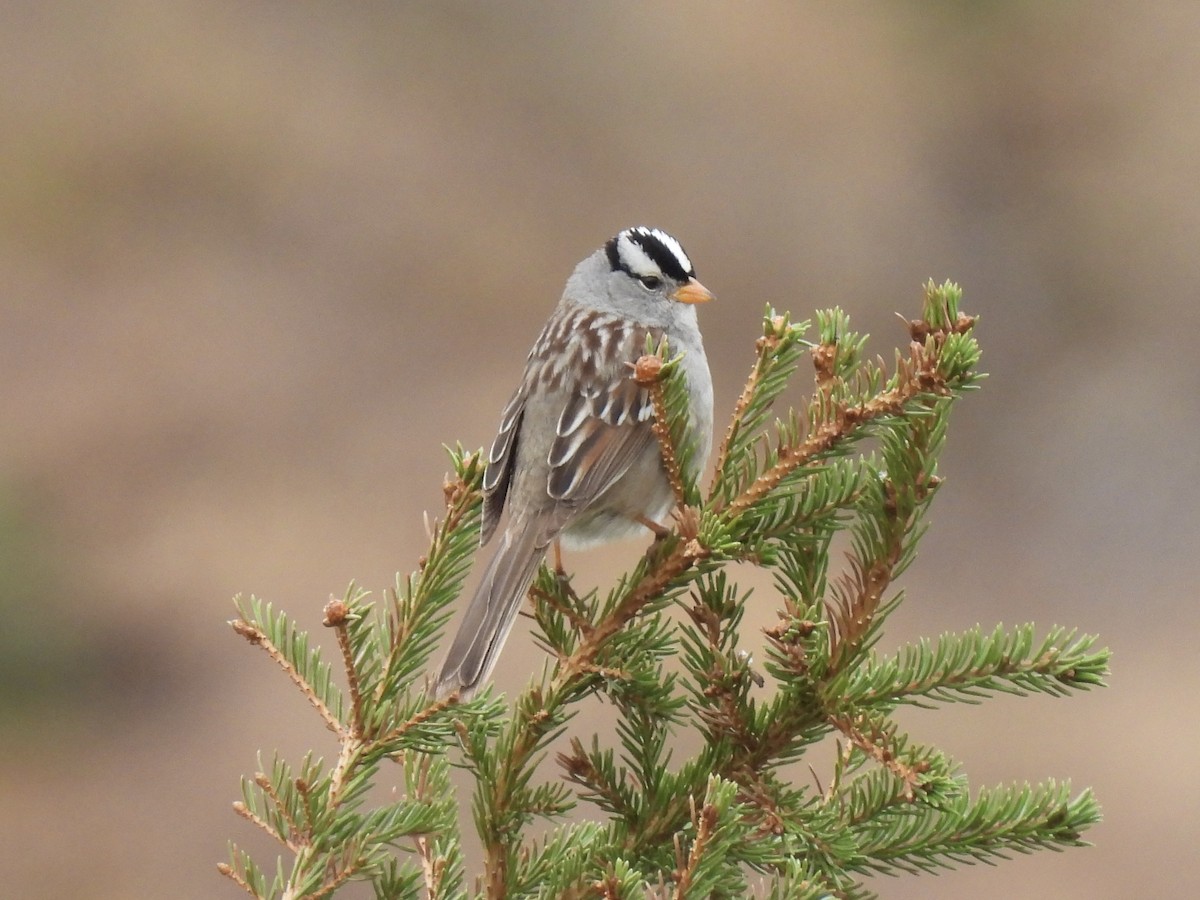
(258,261)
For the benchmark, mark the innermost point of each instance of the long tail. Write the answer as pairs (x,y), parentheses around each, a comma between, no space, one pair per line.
(492,611)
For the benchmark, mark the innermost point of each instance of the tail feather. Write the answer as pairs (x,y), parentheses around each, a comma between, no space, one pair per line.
(492,611)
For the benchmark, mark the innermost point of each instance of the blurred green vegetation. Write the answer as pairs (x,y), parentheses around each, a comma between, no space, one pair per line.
(48,665)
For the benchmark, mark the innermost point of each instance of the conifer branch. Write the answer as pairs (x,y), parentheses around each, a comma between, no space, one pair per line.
(705,820)
(996,823)
(336,612)
(432,711)
(971,666)
(919,378)
(539,713)
(333,881)
(351,749)
(700,824)
(552,600)
(681,557)
(877,743)
(764,348)
(432,868)
(648,373)
(237,878)
(295,835)
(317,816)
(258,638)
(601,788)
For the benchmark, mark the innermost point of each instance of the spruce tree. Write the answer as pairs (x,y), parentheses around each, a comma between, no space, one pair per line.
(560,812)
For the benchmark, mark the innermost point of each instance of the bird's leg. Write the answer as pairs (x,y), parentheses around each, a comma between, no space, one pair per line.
(560,573)
(660,531)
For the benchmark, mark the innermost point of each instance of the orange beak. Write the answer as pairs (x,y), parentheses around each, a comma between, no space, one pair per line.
(693,292)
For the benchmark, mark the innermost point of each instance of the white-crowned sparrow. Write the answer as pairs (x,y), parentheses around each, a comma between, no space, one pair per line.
(575,458)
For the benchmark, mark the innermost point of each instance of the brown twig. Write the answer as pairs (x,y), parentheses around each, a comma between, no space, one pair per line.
(647,372)
(835,782)
(348,755)
(845,420)
(857,595)
(859,592)
(268,789)
(763,346)
(706,823)
(236,877)
(824,358)
(875,746)
(580,623)
(258,637)
(335,875)
(430,870)
(244,811)
(338,877)
(304,789)
(756,791)
(433,868)
(419,718)
(580,770)
(336,615)
(722,712)
(678,561)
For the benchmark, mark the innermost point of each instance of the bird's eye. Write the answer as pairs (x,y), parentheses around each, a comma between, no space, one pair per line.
(650,282)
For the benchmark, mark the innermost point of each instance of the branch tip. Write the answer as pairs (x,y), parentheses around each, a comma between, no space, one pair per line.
(245,629)
(336,612)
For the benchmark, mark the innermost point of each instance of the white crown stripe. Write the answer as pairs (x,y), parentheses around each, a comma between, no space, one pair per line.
(635,258)
(673,245)
(643,251)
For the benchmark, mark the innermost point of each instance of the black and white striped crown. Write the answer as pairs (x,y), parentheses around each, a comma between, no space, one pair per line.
(645,252)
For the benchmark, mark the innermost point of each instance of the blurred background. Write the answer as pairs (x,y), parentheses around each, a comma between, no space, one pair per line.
(258,262)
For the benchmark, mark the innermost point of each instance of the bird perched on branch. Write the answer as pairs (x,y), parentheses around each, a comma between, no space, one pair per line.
(575,459)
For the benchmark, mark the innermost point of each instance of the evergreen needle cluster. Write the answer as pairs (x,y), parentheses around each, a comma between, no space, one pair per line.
(627,814)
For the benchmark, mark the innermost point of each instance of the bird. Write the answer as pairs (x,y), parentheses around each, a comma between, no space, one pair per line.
(575,461)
